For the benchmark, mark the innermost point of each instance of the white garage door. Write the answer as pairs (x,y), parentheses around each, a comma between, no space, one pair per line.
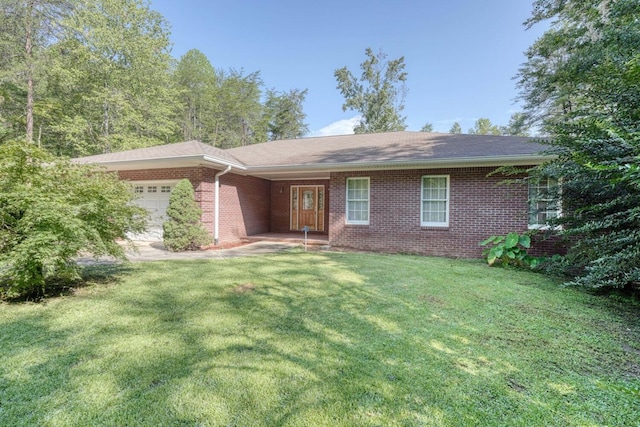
(154,197)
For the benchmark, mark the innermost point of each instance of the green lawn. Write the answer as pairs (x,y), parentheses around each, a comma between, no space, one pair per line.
(313,339)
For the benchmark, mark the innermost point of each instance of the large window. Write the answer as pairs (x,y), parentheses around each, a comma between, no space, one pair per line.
(544,202)
(435,201)
(357,200)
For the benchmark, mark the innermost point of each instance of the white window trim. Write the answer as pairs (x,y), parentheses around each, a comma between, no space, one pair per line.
(346,204)
(447,200)
(558,212)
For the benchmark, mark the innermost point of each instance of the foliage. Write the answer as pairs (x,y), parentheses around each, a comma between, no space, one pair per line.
(109,79)
(518,125)
(238,116)
(378,95)
(285,115)
(98,77)
(428,127)
(582,82)
(455,128)
(483,126)
(509,250)
(321,339)
(196,82)
(183,231)
(27,28)
(51,211)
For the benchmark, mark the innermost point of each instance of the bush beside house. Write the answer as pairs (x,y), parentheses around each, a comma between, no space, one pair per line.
(183,231)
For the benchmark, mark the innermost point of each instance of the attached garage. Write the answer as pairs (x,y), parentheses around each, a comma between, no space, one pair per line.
(154,197)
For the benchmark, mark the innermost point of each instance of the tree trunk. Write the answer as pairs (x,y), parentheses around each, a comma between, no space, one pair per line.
(29,62)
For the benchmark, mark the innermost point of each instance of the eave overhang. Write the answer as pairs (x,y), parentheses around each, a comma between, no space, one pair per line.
(171,162)
(323,170)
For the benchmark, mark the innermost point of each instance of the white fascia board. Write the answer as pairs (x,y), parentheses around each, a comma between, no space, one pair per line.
(168,162)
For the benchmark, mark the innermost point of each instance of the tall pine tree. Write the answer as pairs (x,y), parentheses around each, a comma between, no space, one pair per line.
(581,82)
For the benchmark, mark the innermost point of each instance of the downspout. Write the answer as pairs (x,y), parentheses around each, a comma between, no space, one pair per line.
(216,196)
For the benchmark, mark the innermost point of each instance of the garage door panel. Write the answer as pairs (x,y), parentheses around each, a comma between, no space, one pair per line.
(154,197)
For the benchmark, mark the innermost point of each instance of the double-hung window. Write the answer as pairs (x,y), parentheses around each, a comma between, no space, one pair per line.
(544,202)
(357,201)
(435,201)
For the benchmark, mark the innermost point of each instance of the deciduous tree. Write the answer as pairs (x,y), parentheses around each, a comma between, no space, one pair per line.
(378,94)
(109,79)
(27,28)
(195,79)
(51,211)
(285,114)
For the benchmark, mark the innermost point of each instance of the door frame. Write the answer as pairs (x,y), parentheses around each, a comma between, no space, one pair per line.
(295,199)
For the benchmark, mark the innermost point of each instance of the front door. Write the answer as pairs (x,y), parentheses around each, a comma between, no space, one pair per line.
(307,207)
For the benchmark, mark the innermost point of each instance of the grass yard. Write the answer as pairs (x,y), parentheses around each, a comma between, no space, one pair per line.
(321,339)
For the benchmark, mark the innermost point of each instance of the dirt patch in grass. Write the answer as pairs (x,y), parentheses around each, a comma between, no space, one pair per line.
(244,288)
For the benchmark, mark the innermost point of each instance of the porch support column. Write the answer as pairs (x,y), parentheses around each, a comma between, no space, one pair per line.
(216,208)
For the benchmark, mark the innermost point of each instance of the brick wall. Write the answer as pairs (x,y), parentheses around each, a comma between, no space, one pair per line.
(280,204)
(479,208)
(245,206)
(244,201)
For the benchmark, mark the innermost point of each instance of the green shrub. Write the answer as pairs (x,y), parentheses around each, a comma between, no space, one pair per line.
(183,230)
(509,250)
(51,211)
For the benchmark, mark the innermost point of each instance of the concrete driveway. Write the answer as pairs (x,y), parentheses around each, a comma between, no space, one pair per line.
(155,251)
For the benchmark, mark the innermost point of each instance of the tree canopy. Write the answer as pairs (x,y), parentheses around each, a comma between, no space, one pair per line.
(378,94)
(581,83)
(97,76)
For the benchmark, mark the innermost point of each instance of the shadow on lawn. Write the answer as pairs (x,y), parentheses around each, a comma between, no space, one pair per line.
(276,341)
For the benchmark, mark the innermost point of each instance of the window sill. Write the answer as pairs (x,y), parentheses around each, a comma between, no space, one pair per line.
(434,227)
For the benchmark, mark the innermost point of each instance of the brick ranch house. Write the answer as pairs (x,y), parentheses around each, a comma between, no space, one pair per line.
(414,192)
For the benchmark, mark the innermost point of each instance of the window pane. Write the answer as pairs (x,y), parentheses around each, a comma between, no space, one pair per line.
(358,200)
(435,199)
(307,199)
(543,202)
(434,212)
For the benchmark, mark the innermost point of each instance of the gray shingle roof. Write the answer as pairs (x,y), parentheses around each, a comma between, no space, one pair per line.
(388,147)
(178,150)
(344,152)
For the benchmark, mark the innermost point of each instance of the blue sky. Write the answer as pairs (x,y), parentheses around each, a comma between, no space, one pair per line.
(461,55)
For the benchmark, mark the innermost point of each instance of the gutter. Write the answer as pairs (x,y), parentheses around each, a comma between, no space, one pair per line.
(216,214)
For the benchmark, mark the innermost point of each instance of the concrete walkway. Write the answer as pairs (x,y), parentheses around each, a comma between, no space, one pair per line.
(155,251)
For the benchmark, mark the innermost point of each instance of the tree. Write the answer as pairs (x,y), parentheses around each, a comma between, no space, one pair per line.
(26,29)
(51,211)
(428,127)
(108,80)
(378,95)
(285,115)
(183,231)
(581,82)
(518,125)
(239,118)
(483,126)
(196,82)
(455,128)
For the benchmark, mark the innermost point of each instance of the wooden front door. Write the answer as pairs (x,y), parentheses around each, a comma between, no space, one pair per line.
(307,207)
